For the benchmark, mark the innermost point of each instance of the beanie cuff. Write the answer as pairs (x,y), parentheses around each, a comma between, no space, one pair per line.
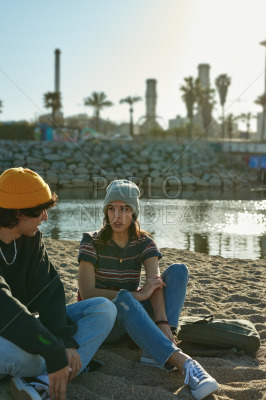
(132,206)
(25,200)
(125,191)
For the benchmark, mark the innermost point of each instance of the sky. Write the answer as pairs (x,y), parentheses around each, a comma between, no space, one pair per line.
(114,46)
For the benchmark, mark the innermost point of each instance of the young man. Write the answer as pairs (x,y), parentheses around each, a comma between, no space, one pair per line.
(58,344)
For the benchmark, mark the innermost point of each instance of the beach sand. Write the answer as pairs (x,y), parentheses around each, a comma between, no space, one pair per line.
(226,288)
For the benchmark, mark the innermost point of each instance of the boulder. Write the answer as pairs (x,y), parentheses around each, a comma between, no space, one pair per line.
(79,182)
(143,167)
(63,182)
(58,165)
(45,165)
(72,166)
(126,167)
(228,183)
(33,160)
(188,180)
(51,179)
(54,157)
(202,183)
(173,181)
(20,156)
(155,174)
(206,176)
(158,182)
(81,170)
(215,182)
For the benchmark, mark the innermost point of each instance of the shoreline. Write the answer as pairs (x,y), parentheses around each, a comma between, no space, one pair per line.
(228,288)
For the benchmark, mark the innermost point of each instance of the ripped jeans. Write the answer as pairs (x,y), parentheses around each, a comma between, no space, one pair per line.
(135,318)
(94,317)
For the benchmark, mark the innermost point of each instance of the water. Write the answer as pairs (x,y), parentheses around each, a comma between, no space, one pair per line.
(229,227)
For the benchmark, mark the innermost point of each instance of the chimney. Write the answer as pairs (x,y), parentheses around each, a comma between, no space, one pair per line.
(57,70)
(204,75)
(151,97)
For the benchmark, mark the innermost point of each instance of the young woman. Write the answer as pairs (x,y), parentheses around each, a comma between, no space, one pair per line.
(110,263)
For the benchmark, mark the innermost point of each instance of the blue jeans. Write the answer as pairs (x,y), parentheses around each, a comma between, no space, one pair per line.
(135,318)
(94,317)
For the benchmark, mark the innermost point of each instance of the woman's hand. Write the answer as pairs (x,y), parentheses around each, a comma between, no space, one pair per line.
(167,331)
(153,283)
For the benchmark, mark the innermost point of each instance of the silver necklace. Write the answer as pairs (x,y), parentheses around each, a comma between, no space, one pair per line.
(124,252)
(14,258)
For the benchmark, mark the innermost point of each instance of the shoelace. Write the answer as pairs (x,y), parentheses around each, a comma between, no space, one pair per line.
(195,370)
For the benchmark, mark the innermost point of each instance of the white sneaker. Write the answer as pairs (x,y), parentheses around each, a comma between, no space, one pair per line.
(199,381)
(36,389)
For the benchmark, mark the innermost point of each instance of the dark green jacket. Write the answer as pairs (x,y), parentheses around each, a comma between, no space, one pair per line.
(32,285)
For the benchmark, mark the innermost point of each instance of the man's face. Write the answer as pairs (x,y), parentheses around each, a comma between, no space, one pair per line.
(28,226)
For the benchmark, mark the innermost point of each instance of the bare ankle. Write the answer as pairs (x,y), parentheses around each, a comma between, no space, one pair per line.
(178,359)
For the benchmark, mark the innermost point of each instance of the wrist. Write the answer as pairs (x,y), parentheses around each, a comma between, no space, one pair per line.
(138,296)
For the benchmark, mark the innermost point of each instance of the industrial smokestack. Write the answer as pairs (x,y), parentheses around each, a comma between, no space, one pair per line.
(151,97)
(204,75)
(57,70)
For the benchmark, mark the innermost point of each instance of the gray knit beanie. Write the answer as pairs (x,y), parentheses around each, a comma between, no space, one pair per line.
(123,190)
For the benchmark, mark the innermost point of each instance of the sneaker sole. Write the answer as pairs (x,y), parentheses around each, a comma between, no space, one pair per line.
(205,390)
(20,392)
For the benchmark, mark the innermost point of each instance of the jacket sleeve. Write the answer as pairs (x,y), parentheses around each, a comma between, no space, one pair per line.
(48,297)
(20,327)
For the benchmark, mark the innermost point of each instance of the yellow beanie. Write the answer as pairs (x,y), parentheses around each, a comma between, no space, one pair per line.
(22,188)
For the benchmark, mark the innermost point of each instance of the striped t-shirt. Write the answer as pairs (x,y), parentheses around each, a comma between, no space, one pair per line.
(110,273)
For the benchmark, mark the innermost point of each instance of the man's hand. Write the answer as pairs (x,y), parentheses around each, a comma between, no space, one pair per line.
(58,383)
(74,362)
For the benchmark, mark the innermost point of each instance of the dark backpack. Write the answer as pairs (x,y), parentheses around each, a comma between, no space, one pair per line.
(222,333)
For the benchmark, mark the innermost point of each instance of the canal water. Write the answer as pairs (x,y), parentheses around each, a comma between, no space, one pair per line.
(228,224)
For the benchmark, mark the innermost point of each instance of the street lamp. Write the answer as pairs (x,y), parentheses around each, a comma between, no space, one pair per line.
(264,106)
(264,44)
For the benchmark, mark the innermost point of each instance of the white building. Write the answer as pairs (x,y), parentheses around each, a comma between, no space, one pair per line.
(178,122)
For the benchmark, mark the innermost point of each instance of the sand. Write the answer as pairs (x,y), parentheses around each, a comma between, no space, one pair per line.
(229,288)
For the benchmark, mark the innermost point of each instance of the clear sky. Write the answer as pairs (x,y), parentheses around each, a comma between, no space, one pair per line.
(115,45)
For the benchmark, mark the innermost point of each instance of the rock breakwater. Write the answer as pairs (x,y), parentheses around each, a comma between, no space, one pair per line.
(156,163)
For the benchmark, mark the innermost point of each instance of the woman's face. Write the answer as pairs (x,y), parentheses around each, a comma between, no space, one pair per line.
(120,216)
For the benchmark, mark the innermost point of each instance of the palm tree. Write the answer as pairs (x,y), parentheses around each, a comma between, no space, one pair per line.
(131,100)
(261,100)
(98,101)
(246,117)
(191,91)
(53,100)
(206,104)
(222,83)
